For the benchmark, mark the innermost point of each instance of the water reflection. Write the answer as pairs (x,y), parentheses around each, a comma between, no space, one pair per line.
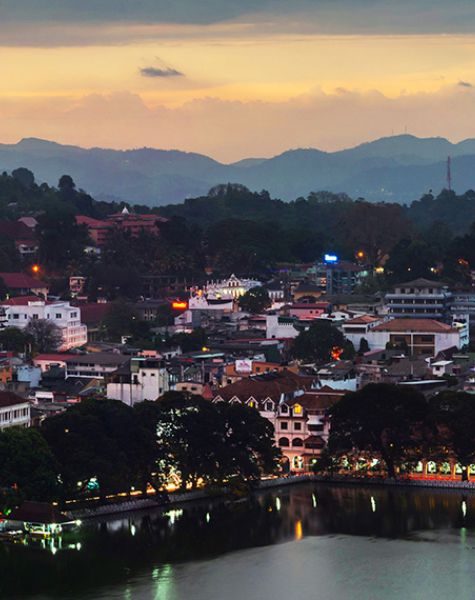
(114,550)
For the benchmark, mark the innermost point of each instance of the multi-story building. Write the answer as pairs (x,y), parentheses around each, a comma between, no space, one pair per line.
(296,409)
(233,287)
(14,411)
(338,276)
(95,365)
(100,230)
(20,284)
(19,312)
(419,299)
(138,380)
(417,336)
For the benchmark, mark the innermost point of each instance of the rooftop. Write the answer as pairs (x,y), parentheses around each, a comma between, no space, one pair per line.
(10,399)
(21,281)
(415,326)
(421,282)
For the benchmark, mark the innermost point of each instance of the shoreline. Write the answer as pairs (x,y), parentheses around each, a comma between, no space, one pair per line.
(179,498)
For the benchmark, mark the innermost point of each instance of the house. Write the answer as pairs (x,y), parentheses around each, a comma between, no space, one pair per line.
(20,311)
(295,408)
(418,336)
(21,235)
(308,310)
(339,276)
(357,328)
(100,230)
(20,284)
(420,298)
(138,380)
(14,411)
(52,360)
(280,327)
(94,365)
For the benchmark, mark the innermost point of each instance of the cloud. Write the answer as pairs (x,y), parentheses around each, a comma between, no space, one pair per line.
(326,121)
(464,84)
(160,72)
(49,23)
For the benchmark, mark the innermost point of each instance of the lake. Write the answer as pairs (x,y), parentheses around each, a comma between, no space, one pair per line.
(308,541)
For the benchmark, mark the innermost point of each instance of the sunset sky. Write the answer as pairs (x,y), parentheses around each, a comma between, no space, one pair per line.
(237,78)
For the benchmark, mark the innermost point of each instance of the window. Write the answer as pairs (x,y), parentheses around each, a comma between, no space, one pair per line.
(284,409)
(298,426)
(284,442)
(269,406)
(35,317)
(297,409)
(284,425)
(16,315)
(297,443)
(58,316)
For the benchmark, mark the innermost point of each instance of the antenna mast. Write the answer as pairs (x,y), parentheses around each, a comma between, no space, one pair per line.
(449,174)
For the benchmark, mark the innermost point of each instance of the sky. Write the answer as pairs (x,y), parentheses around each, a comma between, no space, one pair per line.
(235,78)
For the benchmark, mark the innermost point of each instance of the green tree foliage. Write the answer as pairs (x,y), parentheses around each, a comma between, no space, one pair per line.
(190,342)
(382,419)
(121,319)
(255,300)
(15,339)
(103,440)
(317,343)
(28,465)
(453,415)
(46,336)
(201,440)
(24,176)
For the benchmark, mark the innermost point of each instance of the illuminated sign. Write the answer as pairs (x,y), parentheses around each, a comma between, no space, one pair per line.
(330,258)
(179,305)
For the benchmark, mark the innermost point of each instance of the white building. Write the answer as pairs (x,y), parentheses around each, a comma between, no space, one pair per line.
(234,287)
(20,311)
(280,327)
(14,411)
(141,379)
(420,336)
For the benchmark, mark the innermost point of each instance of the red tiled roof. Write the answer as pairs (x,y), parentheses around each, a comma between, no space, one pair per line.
(322,305)
(16,230)
(21,280)
(53,357)
(92,313)
(265,387)
(10,399)
(90,222)
(362,320)
(23,301)
(415,325)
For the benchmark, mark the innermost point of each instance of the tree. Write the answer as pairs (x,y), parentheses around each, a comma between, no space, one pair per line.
(66,183)
(120,320)
(453,415)
(14,339)
(101,441)
(364,346)
(213,442)
(319,342)
(28,465)
(24,176)
(381,419)
(190,342)
(255,300)
(45,334)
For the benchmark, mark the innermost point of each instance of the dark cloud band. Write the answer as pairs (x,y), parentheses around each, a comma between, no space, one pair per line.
(154,72)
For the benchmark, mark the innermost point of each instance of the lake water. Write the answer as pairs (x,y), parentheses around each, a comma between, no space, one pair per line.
(311,541)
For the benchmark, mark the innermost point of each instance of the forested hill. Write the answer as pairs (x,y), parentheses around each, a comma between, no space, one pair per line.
(393,169)
(235,230)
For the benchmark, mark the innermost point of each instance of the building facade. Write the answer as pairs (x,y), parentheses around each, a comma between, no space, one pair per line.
(14,411)
(419,299)
(19,312)
(138,380)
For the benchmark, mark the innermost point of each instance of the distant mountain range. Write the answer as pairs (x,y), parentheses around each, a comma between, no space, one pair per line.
(395,169)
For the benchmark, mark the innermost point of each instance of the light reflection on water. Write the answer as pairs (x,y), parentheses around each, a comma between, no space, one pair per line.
(319,540)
